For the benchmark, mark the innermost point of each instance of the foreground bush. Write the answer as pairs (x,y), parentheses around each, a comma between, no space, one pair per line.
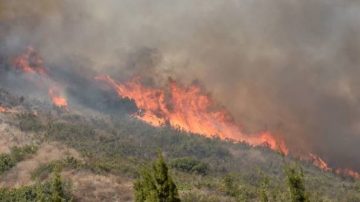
(17,154)
(54,191)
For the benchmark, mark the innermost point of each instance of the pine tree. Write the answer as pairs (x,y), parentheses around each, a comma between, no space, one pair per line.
(155,184)
(295,179)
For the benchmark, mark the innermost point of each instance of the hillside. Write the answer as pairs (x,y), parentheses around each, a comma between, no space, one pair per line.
(169,101)
(100,155)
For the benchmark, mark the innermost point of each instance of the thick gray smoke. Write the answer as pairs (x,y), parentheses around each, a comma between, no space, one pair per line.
(289,66)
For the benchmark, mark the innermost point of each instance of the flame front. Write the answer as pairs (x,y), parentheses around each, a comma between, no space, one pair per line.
(188,109)
(348,172)
(320,163)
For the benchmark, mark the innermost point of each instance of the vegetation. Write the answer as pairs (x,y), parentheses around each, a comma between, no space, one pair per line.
(54,191)
(28,122)
(44,170)
(204,169)
(264,190)
(190,165)
(17,154)
(119,145)
(155,184)
(295,180)
(57,190)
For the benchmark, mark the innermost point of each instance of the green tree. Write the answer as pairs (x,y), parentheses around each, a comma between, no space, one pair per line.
(155,184)
(264,189)
(40,196)
(190,165)
(295,180)
(57,191)
(229,185)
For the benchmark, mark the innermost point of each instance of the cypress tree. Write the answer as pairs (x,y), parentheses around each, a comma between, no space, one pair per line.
(295,179)
(264,189)
(40,196)
(57,191)
(155,184)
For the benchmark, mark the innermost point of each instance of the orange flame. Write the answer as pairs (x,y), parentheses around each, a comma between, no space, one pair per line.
(56,98)
(188,109)
(30,62)
(348,172)
(3,109)
(320,163)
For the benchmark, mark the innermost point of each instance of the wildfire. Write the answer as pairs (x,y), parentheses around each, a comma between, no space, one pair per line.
(3,109)
(320,163)
(189,109)
(57,99)
(348,172)
(31,62)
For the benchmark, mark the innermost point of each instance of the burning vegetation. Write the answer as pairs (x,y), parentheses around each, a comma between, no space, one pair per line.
(189,109)
(57,99)
(30,62)
(3,109)
(317,161)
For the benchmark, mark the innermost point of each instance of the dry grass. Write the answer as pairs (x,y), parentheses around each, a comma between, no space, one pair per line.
(21,174)
(92,187)
(11,136)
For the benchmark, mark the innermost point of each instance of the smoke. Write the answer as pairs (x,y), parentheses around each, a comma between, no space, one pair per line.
(287,66)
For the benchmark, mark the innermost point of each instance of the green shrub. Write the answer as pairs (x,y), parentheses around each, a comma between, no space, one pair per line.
(43,171)
(190,165)
(17,154)
(55,191)
(29,122)
(6,163)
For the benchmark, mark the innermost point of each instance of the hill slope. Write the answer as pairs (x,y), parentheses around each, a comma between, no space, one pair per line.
(101,153)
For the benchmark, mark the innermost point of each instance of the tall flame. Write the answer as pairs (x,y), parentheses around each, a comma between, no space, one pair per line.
(188,109)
